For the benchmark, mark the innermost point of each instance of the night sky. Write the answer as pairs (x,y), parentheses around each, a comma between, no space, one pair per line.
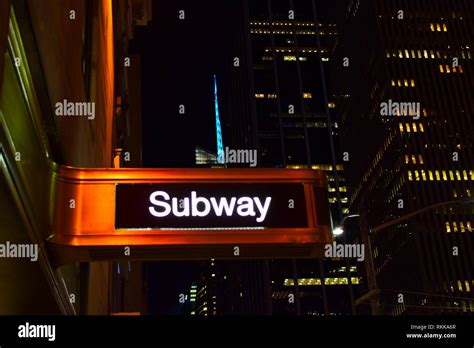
(179,58)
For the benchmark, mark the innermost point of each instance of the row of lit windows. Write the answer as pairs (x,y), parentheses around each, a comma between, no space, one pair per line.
(306,95)
(403,83)
(343,269)
(293,58)
(438,27)
(453,227)
(289,32)
(301,24)
(341,189)
(414,159)
(297,124)
(334,200)
(290,50)
(460,286)
(450,69)
(438,175)
(290,58)
(409,127)
(317,281)
(422,54)
(326,167)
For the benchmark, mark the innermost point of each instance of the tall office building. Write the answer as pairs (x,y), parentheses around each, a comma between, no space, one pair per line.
(406,157)
(287,123)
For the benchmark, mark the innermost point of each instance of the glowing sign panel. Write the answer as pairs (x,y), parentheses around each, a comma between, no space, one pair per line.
(230,205)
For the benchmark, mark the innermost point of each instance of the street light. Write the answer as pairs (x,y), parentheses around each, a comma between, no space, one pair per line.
(338,230)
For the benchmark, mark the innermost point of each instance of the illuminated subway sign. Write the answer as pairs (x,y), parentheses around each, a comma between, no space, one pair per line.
(232,205)
(244,206)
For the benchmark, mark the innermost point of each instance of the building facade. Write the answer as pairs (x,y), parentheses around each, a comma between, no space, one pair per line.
(403,95)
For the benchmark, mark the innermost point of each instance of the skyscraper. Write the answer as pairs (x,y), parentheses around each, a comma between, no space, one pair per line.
(403,73)
(291,123)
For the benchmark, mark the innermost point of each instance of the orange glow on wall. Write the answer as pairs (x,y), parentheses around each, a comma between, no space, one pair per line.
(105,76)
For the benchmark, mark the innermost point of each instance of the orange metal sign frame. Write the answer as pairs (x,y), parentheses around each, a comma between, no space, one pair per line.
(83,217)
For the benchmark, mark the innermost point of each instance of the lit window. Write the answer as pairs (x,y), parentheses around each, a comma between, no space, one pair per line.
(445,177)
(307,95)
(410,177)
(448,227)
(272,95)
(414,128)
(417,176)
(412,83)
(444,27)
(441,70)
(425,53)
(406,158)
(407,55)
(259,95)
(304,59)
(406,83)
(420,157)
(458,175)
(423,175)
(432,27)
(464,174)
(451,175)
(393,82)
(430,173)
(438,27)
(438,178)
(407,125)
(401,128)
(331,105)
(289,58)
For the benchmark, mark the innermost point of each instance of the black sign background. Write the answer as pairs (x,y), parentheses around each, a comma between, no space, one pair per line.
(133,202)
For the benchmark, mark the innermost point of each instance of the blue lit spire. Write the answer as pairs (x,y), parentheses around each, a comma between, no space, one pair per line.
(220,147)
